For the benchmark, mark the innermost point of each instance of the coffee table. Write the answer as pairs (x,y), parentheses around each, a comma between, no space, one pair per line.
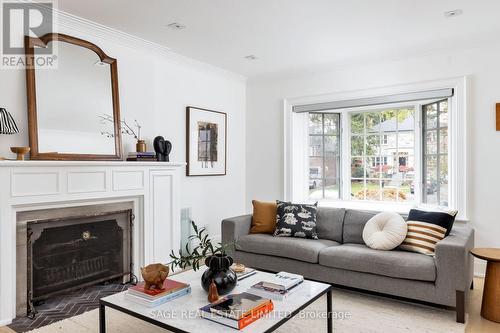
(182,315)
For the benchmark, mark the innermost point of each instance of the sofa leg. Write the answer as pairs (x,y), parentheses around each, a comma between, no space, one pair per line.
(460,306)
(472,285)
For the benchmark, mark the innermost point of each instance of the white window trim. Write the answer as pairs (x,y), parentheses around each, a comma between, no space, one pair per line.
(295,146)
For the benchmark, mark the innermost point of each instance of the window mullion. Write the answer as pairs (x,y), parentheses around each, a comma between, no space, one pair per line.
(323,159)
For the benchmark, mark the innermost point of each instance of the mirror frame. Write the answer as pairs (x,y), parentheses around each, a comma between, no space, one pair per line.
(29,44)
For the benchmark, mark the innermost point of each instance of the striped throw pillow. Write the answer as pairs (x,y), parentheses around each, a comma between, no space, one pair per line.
(422,237)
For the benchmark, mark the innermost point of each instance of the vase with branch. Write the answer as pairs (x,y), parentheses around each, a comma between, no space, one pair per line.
(125,129)
(214,256)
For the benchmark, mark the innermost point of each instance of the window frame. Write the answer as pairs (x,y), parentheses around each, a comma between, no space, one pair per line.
(457,146)
(323,136)
(399,205)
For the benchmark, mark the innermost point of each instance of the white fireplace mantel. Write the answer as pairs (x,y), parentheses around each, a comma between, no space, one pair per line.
(153,187)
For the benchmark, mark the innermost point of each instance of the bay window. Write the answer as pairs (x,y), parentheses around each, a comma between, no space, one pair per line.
(363,151)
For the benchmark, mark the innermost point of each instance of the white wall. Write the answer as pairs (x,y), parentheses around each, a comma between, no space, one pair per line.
(265,121)
(155,87)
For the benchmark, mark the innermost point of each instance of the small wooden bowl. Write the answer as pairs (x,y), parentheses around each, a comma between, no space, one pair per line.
(238,268)
(20,151)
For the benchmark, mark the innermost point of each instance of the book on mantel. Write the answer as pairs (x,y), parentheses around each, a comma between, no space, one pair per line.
(237,310)
(154,297)
(148,156)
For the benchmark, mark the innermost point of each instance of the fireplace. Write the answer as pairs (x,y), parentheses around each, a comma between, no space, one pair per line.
(69,253)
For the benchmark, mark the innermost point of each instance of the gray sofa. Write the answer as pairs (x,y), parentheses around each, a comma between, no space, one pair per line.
(340,257)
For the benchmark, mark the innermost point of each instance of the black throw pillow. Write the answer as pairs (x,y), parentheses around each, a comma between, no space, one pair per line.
(296,220)
(441,219)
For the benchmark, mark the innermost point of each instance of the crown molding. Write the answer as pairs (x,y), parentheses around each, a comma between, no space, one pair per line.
(84,26)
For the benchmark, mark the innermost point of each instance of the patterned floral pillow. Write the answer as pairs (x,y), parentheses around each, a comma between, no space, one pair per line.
(294,220)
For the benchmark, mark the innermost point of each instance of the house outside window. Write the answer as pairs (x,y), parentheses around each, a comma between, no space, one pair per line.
(379,171)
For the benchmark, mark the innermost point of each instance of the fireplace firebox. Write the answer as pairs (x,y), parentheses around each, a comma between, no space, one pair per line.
(71,253)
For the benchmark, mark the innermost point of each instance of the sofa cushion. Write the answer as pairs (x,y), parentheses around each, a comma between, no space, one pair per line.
(397,264)
(354,223)
(288,247)
(296,220)
(329,223)
(263,218)
(385,231)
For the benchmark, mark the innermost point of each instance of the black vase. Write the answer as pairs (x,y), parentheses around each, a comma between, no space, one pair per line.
(218,271)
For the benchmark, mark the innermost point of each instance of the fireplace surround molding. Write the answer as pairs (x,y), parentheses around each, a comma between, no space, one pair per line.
(152,189)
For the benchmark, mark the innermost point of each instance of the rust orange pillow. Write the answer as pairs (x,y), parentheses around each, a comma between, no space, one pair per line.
(264,217)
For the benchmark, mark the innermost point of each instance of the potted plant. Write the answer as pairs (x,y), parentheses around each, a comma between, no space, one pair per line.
(213,255)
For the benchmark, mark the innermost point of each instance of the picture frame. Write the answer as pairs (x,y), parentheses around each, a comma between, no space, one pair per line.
(206,142)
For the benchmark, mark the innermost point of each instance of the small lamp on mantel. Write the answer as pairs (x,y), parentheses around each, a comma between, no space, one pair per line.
(9,126)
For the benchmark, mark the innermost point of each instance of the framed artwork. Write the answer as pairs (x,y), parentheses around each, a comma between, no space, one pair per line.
(206,142)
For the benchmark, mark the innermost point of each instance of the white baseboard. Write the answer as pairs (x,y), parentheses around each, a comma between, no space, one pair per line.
(479,268)
(5,322)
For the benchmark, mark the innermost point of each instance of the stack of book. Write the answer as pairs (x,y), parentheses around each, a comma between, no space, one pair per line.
(279,287)
(149,156)
(154,297)
(237,310)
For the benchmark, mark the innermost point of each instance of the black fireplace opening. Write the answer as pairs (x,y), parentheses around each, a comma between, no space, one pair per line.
(68,254)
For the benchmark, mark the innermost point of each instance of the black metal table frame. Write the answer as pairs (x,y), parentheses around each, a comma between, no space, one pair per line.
(103,304)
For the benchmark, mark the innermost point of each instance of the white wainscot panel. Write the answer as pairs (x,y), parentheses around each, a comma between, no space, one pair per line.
(34,183)
(82,182)
(128,180)
(161,201)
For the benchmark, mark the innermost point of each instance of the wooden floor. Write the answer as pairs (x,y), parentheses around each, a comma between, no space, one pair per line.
(475,323)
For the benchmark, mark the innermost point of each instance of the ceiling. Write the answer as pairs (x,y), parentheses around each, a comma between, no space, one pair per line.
(294,35)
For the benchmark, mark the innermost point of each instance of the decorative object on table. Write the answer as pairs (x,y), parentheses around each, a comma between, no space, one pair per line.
(245,273)
(238,268)
(425,229)
(213,294)
(162,148)
(263,217)
(220,272)
(385,231)
(153,297)
(206,142)
(148,156)
(20,151)
(278,287)
(126,129)
(7,124)
(238,310)
(215,258)
(154,275)
(490,308)
(296,220)
(283,281)
(278,295)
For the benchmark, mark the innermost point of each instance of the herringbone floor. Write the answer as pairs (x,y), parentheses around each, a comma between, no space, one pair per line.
(66,306)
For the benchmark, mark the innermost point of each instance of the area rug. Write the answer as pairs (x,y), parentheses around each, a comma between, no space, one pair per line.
(354,312)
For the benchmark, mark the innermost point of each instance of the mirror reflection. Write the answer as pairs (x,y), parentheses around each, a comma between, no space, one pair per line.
(70,102)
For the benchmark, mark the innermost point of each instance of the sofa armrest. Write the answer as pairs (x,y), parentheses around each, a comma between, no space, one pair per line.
(454,262)
(235,227)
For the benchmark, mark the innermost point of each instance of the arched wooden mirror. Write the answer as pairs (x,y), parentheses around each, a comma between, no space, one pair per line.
(66,103)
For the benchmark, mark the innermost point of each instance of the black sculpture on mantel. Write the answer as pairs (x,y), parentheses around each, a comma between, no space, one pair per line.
(162,149)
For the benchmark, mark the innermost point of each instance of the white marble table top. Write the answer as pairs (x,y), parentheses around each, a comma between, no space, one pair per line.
(183,313)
